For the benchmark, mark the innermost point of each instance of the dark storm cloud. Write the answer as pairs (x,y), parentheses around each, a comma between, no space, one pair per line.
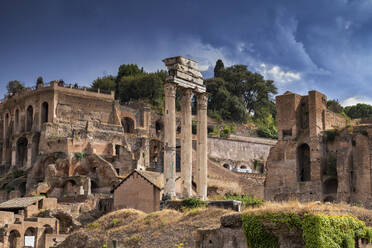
(302,45)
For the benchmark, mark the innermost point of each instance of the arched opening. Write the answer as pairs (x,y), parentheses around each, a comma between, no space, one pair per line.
(128,124)
(30,237)
(178,162)
(94,187)
(227,166)
(30,118)
(244,167)
(158,126)
(330,186)
(14,239)
(44,112)
(22,143)
(48,229)
(17,120)
(303,160)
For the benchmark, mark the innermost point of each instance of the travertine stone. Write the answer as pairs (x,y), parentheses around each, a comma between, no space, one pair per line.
(170,140)
(186,142)
(202,145)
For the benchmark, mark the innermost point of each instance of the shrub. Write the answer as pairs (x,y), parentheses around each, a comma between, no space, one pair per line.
(329,135)
(115,221)
(79,155)
(225,132)
(318,230)
(364,132)
(247,200)
(193,202)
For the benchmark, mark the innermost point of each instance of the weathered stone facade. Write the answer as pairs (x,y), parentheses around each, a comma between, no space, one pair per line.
(319,155)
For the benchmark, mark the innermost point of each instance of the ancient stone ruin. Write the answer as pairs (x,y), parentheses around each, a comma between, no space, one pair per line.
(320,155)
(184,74)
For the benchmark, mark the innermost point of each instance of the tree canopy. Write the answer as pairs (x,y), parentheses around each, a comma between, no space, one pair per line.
(105,83)
(360,110)
(14,86)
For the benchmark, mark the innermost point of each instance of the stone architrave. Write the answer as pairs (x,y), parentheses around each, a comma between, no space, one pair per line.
(170,140)
(202,145)
(186,142)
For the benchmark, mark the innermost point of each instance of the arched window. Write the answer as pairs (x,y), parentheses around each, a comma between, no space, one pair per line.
(128,124)
(30,236)
(44,112)
(22,143)
(17,120)
(14,239)
(226,166)
(30,118)
(48,229)
(303,160)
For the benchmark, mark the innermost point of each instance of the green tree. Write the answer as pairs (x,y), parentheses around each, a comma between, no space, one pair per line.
(255,91)
(360,110)
(129,70)
(147,87)
(104,83)
(39,81)
(218,69)
(14,86)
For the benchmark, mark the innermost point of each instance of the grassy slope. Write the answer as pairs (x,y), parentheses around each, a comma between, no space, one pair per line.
(134,228)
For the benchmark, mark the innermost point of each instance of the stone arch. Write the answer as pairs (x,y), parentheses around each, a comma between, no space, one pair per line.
(69,187)
(48,229)
(303,161)
(330,186)
(243,166)
(14,239)
(128,124)
(227,166)
(44,112)
(21,155)
(29,118)
(30,236)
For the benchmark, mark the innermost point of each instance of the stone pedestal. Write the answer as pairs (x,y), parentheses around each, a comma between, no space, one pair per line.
(186,142)
(170,140)
(202,146)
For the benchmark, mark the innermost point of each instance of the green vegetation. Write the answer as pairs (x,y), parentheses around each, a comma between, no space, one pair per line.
(79,155)
(193,202)
(359,111)
(329,135)
(14,87)
(331,168)
(16,173)
(93,225)
(247,200)
(318,231)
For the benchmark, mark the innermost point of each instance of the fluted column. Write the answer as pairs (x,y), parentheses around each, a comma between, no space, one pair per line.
(186,142)
(202,145)
(170,140)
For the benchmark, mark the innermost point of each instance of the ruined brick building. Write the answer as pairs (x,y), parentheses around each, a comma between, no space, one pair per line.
(68,142)
(320,155)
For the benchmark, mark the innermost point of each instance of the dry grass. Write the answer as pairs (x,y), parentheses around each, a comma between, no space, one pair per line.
(315,208)
(134,228)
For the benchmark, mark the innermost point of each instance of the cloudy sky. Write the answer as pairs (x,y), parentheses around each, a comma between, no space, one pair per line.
(302,45)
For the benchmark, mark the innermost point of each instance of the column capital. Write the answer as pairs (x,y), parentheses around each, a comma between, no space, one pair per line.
(186,95)
(202,100)
(170,89)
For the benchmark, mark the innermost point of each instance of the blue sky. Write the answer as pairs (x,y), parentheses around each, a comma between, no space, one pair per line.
(302,45)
